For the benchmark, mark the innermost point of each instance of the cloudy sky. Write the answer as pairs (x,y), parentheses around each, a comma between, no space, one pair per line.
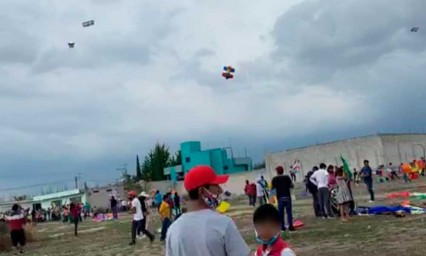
(148,71)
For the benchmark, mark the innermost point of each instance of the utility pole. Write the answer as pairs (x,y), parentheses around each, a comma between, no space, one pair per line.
(76,182)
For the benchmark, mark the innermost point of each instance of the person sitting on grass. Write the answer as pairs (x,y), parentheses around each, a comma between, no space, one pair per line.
(267,224)
(17,222)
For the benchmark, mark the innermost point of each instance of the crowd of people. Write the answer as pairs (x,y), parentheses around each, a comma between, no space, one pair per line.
(217,234)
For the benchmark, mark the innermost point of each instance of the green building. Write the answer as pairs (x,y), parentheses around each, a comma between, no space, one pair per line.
(193,155)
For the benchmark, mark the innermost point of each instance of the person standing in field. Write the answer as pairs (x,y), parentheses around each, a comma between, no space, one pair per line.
(17,222)
(202,231)
(260,192)
(176,200)
(293,174)
(66,213)
(114,208)
(158,199)
(282,185)
(320,179)
(166,216)
(143,225)
(136,210)
(265,186)
(75,213)
(343,194)
(313,189)
(250,191)
(367,174)
(331,177)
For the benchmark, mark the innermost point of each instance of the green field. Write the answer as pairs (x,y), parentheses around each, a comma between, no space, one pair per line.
(363,235)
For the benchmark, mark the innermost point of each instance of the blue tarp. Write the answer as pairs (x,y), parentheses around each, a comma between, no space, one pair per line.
(382,209)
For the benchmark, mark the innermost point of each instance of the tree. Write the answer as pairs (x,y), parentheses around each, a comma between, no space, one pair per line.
(259,166)
(155,162)
(176,159)
(86,188)
(138,169)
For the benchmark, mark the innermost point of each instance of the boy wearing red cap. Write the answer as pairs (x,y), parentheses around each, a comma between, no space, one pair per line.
(203,231)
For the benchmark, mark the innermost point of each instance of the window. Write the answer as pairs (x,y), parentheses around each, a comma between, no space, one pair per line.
(187,159)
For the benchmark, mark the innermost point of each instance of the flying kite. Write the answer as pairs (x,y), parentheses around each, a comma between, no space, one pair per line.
(414,29)
(88,23)
(228,74)
(71,44)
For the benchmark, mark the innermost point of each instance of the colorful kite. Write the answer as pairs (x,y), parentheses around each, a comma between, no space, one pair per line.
(415,29)
(228,74)
(88,23)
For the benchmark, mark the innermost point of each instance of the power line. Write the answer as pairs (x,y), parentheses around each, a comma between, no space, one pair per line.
(34,185)
(25,174)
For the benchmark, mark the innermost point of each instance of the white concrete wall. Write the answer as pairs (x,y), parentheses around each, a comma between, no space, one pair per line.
(403,148)
(100,197)
(235,184)
(380,149)
(353,150)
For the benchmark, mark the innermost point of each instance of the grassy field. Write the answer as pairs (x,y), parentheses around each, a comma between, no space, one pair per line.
(363,235)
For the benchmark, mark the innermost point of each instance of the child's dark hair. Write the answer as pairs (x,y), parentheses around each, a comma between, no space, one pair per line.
(340,172)
(266,213)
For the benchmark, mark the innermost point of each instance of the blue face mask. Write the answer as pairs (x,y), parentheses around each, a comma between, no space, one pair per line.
(270,242)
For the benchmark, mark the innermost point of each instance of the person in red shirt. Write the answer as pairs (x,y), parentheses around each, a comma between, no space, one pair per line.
(75,213)
(267,224)
(250,191)
(16,225)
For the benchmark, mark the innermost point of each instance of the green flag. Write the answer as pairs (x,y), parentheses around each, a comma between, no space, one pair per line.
(348,172)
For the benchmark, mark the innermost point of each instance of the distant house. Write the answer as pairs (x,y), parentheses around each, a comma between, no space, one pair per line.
(60,199)
(193,155)
(48,201)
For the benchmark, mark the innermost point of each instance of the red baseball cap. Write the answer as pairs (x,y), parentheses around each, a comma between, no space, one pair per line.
(203,175)
(132,194)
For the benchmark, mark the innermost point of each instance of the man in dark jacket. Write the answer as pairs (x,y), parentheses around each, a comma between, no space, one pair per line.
(367,173)
(314,192)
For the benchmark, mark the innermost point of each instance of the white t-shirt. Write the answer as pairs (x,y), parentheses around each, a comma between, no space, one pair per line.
(138,215)
(205,233)
(259,189)
(320,178)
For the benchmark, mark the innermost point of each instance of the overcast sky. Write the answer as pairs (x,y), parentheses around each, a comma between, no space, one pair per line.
(148,71)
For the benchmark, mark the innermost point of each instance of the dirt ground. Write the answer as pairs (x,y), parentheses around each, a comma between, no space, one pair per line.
(363,235)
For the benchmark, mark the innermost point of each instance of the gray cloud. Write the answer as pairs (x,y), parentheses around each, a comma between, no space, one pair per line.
(310,71)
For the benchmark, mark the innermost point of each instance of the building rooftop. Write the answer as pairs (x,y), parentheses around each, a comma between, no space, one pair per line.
(57,195)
